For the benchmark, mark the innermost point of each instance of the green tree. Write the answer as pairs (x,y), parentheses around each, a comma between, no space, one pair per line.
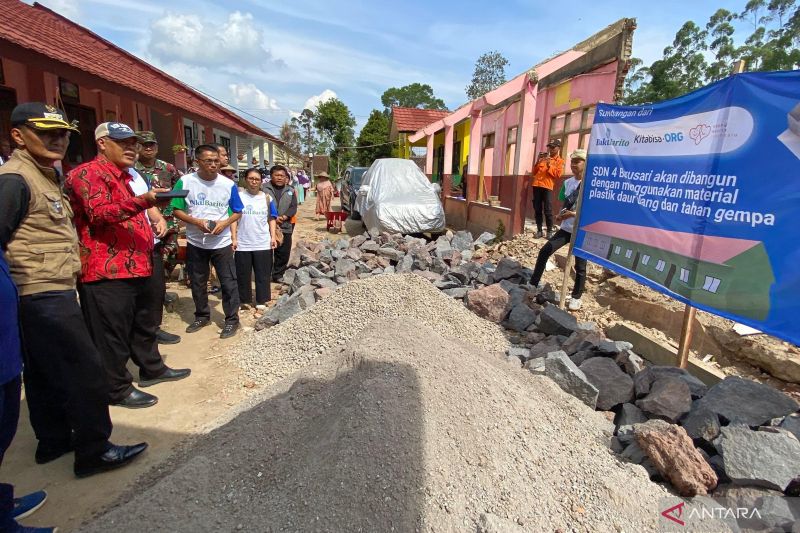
(374,137)
(414,95)
(720,29)
(490,73)
(336,124)
(304,124)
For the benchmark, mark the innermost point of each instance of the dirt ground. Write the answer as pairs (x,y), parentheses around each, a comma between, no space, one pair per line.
(186,408)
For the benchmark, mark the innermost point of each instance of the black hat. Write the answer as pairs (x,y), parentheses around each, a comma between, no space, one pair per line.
(554,143)
(41,116)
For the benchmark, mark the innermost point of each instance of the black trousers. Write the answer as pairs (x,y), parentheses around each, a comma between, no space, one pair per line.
(248,263)
(281,257)
(542,207)
(65,381)
(9,416)
(122,317)
(558,240)
(199,260)
(159,279)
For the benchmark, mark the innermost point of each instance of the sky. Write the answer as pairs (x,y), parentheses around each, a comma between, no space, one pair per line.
(272,58)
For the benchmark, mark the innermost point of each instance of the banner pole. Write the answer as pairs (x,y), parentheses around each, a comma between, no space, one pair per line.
(686,336)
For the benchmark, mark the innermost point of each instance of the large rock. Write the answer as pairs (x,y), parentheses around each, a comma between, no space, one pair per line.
(520,318)
(770,460)
(391,253)
(489,302)
(775,511)
(631,363)
(581,340)
(442,246)
(645,379)
(406,264)
(792,424)
(344,267)
(355,254)
(301,279)
(742,401)
(701,423)
(456,292)
(546,346)
(370,246)
(358,240)
(286,308)
(570,378)
(674,455)
(669,398)
(506,268)
(614,385)
(324,283)
(462,241)
(629,415)
(484,238)
(555,321)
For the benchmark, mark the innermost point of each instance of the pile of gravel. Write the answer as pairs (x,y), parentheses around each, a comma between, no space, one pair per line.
(401,429)
(273,353)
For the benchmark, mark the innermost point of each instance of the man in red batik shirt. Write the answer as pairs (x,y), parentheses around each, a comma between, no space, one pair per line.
(116,244)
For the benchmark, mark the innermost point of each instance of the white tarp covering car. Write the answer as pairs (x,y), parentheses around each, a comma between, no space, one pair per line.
(395,196)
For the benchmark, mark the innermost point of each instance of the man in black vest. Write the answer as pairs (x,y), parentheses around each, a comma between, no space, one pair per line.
(286,200)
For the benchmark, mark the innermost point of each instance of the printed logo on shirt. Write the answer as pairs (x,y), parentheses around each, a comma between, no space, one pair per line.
(250,210)
(202,199)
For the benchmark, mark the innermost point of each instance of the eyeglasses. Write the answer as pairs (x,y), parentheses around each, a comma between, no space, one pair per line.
(210,161)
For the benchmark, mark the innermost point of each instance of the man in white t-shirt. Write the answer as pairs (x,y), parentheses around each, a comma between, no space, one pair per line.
(569,195)
(212,205)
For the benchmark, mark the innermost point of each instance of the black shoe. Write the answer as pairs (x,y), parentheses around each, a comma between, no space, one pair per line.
(114,457)
(171,374)
(197,324)
(46,454)
(550,234)
(137,400)
(229,330)
(162,337)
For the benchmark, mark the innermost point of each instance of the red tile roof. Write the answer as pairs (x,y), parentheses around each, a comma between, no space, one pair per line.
(708,248)
(410,119)
(41,30)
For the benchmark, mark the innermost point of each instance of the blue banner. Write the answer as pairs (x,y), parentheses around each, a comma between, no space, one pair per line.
(699,198)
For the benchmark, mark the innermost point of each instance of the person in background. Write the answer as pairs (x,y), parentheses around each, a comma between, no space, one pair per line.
(213,204)
(569,193)
(298,188)
(12,509)
(5,148)
(229,172)
(549,167)
(160,175)
(65,381)
(305,182)
(119,295)
(253,241)
(324,194)
(286,200)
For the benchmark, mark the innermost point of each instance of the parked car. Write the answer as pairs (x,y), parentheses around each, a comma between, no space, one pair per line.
(395,196)
(351,181)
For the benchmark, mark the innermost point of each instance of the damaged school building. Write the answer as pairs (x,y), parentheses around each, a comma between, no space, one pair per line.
(483,153)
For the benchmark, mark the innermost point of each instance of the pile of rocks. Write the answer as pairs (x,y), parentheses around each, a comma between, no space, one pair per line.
(738,433)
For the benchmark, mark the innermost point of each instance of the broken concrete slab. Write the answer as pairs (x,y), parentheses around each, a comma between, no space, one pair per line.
(770,460)
(742,401)
(570,378)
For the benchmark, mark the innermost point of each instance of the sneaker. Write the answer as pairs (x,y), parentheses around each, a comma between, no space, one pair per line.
(25,506)
(539,234)
(574,304)
(550,234)
(261,307)
(229,330)
(196,325)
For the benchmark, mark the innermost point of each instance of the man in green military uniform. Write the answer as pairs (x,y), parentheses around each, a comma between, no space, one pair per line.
(160,174)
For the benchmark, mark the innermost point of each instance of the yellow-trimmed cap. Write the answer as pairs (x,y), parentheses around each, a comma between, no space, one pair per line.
(41,116)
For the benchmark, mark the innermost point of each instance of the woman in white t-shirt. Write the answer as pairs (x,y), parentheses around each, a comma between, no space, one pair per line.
(253,239)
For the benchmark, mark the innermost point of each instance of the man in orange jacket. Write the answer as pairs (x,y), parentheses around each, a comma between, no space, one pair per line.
(549,167)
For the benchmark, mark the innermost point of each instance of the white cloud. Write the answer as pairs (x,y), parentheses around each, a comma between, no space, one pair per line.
(314,101)
(65,8)
(189,39)
(249,96)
